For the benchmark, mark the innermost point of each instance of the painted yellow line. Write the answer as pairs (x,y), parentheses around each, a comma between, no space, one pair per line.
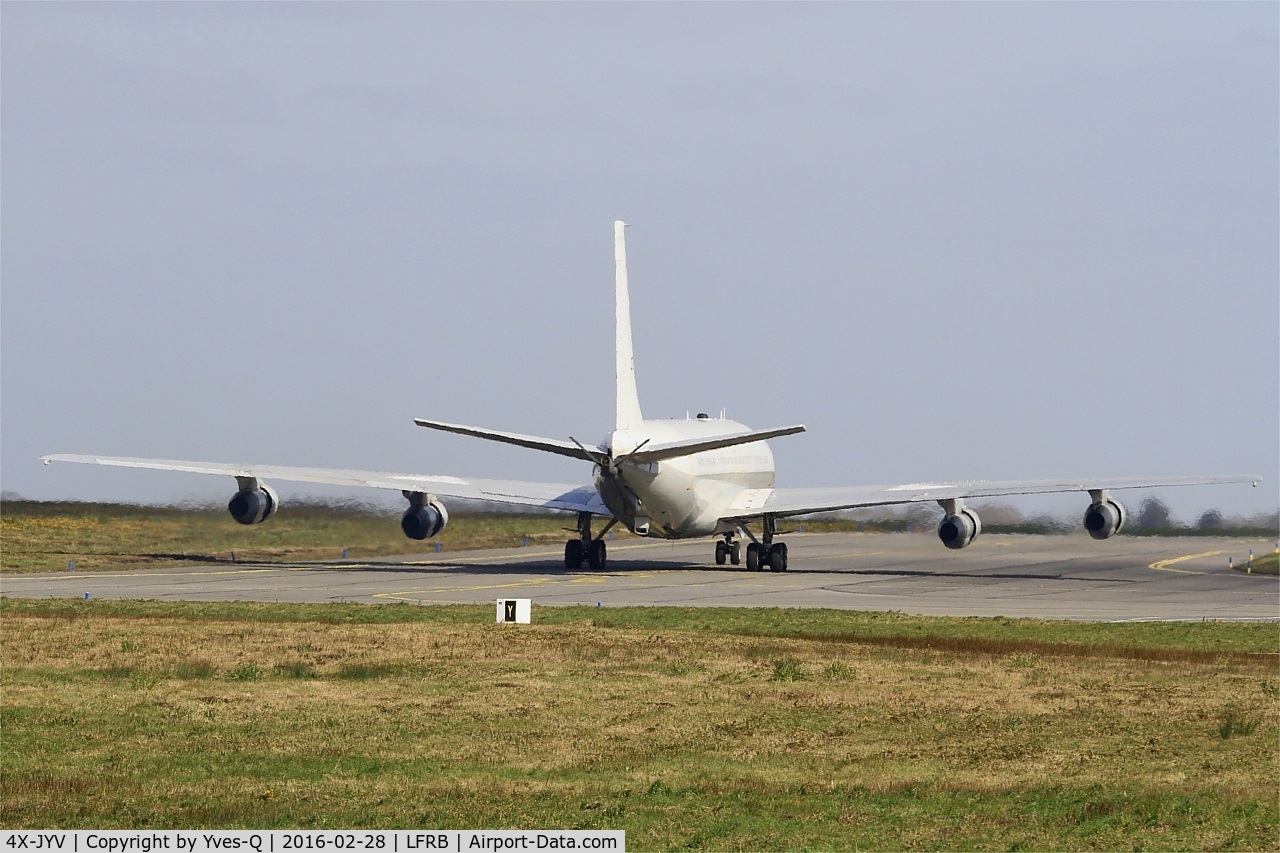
(446,560)
(539,581)
(526,582)
(440,589)
(850,554)
(143,573)
(1163,565)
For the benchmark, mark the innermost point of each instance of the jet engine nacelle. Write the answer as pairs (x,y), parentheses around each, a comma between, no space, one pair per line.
(424,518)
(255,505)
(1103,519)
(958,529)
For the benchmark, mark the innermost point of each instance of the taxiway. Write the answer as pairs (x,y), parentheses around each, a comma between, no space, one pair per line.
(1055,577)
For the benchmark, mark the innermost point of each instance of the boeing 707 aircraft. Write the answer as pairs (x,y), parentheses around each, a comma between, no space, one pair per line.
(670,479)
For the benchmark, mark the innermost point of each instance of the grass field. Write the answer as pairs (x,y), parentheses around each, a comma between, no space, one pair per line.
(1267,564)
(38,536)
(690,729)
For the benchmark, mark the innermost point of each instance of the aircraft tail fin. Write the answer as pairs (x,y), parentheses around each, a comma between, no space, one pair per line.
(628,414)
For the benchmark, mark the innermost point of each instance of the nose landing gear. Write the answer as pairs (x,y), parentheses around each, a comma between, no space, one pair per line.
(728,551)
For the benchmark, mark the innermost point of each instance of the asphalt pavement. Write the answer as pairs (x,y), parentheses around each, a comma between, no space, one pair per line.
(1055,577)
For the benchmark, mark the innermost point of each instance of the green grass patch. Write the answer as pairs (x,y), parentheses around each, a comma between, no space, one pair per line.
(194,669)
(244,672)
(788,669)
(1207,641)
(1267,564)
(294,669)
(732,729)
(1233,724)
(365,671)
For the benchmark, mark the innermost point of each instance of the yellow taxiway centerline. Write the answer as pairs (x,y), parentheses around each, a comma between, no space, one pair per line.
(448,561)
(1163,565)
(149,573)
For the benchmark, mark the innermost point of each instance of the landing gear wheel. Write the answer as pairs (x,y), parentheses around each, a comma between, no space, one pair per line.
(722,553)
(753,557)
(596,555)
(573,554)
(778,557)
(735,553)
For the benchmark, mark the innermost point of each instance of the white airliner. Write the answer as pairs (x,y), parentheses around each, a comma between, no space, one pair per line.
(671,479)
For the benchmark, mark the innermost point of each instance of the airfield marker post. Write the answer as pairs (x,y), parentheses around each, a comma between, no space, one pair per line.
(515,610)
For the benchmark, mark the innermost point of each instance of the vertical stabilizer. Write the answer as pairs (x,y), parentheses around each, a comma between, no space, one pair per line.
(629,415)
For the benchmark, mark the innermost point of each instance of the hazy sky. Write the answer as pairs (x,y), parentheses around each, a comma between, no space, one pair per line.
(961,241)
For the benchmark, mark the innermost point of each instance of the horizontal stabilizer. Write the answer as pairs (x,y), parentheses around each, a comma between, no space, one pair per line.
(672,449)
(550,445)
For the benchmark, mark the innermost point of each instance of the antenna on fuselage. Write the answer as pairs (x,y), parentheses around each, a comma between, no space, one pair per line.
(628,416)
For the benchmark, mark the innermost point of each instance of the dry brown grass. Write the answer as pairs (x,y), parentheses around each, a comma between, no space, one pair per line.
(174,722)
(45,537)
(894,715)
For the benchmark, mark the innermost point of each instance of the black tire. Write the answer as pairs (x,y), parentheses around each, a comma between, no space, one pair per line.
(573,554)
(596,557)
(778,557)
(722,553)
(753,557)
(735,553)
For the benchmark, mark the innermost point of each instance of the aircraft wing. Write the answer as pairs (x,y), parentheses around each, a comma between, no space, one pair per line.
(753,503)
(548,495)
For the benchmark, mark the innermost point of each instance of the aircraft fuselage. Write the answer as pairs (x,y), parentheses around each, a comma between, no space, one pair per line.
(684,496)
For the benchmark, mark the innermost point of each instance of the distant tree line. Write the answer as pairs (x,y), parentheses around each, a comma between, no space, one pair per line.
(1152,516)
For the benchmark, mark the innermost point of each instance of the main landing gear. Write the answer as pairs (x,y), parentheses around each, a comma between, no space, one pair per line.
(772,557)
(586,548)
(762,553)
